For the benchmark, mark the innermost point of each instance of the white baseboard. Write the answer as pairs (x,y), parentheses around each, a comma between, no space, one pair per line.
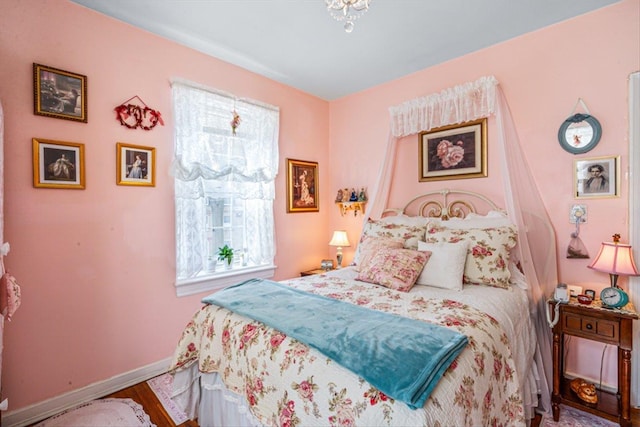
(41,410)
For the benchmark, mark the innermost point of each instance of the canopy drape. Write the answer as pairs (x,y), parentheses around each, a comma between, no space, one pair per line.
(536,250)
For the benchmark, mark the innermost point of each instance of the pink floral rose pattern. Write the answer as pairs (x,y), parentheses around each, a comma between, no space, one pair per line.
(371,245)
(488,254)
(394,268)
(286,383)
(450,154)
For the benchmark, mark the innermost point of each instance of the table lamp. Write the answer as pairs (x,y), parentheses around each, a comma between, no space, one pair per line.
(615,258)
(339,239)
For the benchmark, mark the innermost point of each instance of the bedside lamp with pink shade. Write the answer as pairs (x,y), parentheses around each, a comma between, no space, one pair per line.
(615,258)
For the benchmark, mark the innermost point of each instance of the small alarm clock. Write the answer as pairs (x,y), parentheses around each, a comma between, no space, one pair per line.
(614,297)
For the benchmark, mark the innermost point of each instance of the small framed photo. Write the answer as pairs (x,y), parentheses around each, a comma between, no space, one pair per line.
(60,94)
(453,152)
(597,177)
(302,186)
(135,165)
(590,293)
(58,164)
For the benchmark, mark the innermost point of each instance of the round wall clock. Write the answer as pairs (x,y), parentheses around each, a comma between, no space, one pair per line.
(579,133)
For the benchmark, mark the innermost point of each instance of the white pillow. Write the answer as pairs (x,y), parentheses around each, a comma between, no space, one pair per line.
(445,268)
(402,219)
(492,219)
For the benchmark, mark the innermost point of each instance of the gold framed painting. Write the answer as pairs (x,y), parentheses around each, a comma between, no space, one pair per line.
(453,152)
(302,186)
(596,177)
(59,94)
(58,164)
(135,165)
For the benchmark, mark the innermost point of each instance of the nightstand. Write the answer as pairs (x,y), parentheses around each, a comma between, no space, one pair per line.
(609,326)
(312,272)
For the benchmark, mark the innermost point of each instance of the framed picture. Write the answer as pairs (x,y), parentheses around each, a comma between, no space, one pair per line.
(597,177)
(453,152)
(58,164)
(302,186)
(135,165)
(60,94)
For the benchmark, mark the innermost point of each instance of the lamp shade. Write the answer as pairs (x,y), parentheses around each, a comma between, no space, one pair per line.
(339,239)
(615,258)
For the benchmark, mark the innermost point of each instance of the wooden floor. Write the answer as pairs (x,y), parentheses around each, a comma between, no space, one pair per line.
(143,395)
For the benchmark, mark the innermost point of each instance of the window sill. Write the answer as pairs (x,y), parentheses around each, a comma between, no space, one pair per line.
(222,279)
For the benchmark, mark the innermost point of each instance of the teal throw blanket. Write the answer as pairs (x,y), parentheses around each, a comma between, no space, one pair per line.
(403,358)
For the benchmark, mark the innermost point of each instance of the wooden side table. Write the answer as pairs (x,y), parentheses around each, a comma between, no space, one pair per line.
(600,324)
(314,271)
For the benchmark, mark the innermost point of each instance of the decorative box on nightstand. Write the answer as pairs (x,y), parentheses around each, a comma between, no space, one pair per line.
(596,323)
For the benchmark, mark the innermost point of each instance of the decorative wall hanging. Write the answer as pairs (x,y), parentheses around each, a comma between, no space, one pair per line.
(137,116)
(575,248)
(60,94)
(597,177)
(454,152)
(135,165)
(302,186)
(58,164)
(235,122)
(580,132)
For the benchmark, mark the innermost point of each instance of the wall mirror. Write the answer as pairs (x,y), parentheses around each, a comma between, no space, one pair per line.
(579,133)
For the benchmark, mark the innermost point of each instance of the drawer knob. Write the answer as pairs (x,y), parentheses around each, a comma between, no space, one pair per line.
(589,326)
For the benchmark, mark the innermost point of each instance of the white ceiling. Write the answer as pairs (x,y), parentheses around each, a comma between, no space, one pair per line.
(297,43)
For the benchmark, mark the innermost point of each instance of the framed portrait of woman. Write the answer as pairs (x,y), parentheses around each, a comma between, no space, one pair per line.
(135,165)
(597,177)
(302,186)
(58,164)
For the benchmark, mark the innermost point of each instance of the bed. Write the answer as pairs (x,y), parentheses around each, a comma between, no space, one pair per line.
(231,369)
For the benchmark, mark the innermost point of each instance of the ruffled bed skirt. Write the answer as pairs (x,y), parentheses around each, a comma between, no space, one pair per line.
(205,396)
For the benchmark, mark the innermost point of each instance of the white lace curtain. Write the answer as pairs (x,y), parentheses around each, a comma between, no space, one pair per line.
(536,249)
(210,160)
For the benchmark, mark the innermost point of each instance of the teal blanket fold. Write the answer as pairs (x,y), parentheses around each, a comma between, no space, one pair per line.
(403,358)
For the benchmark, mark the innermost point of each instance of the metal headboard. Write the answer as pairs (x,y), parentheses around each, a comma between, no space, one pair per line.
(445,204)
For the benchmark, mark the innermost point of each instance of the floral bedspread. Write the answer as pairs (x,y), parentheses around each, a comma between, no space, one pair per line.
(287,383)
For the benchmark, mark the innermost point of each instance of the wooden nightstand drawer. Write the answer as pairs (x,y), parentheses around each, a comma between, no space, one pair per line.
(591,327)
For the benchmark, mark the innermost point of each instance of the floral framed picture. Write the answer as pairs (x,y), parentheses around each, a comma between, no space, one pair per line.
(60,94)
(597,177)
(302,186)
(58,164)
(135,165)
(453,152)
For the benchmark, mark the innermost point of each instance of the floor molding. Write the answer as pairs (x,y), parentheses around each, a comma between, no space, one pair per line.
(46,408)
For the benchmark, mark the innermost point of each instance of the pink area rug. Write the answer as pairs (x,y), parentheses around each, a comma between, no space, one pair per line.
(571,417)
(161,386)
(101,413)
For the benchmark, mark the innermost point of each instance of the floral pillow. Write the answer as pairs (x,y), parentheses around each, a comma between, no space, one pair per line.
(392,228)
(394,268)
(488,253)
(370,246)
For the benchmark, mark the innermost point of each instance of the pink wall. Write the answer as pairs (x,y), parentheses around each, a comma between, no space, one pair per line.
(96,266)
(542,75)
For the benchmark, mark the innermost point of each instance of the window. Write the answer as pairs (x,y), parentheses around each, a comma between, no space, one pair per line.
(224,187)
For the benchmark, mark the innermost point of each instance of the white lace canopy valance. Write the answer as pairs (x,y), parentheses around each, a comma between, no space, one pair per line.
(458,104)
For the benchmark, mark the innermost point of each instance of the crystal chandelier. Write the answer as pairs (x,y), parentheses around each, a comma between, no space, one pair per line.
(347,11)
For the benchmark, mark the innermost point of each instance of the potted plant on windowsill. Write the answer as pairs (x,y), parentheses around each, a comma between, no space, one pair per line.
(225,253)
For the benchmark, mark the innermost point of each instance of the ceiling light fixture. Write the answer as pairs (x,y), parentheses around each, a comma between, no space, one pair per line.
(347,10)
